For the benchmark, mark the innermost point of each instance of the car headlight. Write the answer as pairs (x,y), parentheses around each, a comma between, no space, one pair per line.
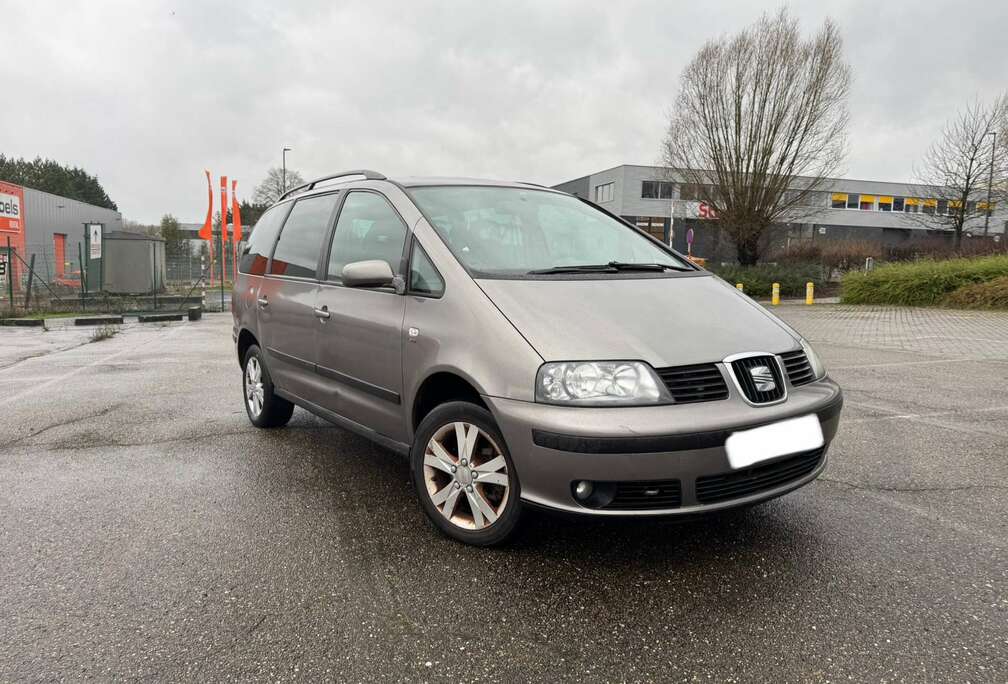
(599,383)
(814,361)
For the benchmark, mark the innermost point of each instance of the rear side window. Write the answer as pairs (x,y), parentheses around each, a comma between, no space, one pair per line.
(297,252)
(368,228)
(260,243)
(424,279)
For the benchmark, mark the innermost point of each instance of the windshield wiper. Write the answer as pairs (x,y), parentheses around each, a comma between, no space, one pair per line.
(624,266)
(586,268)
(611,267)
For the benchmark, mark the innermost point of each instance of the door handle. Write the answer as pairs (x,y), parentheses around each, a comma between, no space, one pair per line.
(263,302)
(322,314)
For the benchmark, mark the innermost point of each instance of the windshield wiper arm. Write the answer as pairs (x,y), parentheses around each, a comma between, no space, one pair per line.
(611,267)
(586,268)
(625,266)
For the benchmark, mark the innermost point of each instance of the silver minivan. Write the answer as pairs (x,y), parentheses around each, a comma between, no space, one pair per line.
(523,347)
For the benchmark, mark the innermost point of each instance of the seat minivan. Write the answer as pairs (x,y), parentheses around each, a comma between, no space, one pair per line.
(523,347)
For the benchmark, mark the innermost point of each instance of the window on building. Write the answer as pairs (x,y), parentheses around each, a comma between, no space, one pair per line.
(929,206)
(297,250)
(911,205)
(652,225)
(604,192)
(260,241)
(867,203)
(656,190)
(885,203)
(943,207)
(971,208)
(897,204)
(852,201)
(838,200)
(688,191)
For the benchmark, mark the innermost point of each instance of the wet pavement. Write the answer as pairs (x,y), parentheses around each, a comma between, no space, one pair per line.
(150,532)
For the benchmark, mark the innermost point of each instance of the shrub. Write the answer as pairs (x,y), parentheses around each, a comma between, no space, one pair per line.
(940,247)
(758,280)
(992,294)
(919,283)
(832,255)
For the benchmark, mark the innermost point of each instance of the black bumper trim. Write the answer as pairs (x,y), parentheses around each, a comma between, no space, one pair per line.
(688,441)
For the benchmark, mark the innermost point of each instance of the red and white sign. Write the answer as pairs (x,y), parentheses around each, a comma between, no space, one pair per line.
(11,208)
(697,210)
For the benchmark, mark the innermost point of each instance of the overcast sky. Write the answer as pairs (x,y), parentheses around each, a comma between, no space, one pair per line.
(145,95)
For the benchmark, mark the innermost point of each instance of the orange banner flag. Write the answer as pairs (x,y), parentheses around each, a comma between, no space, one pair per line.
(223,209)
(206,232)
(235,213)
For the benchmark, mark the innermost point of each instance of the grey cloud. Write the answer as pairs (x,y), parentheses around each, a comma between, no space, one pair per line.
(148,94)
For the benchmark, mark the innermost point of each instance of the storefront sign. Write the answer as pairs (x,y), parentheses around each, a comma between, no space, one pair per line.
(11,207)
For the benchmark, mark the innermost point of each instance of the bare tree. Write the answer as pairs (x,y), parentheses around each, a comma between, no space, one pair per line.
(272,187)
(755,112)
(963,163)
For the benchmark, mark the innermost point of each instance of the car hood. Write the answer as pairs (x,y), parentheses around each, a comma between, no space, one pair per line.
(664,321)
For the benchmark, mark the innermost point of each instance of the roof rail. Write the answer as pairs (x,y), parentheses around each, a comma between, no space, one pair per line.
(310,185)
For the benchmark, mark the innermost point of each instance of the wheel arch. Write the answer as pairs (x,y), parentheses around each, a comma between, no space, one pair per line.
(245,340)
(439,387)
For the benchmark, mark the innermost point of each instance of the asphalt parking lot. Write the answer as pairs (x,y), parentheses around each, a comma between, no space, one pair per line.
(150,532)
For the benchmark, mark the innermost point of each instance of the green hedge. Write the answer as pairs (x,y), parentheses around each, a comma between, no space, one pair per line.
(758,280)
(919,283)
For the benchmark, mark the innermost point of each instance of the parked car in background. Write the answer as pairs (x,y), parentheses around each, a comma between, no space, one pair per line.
(523,347)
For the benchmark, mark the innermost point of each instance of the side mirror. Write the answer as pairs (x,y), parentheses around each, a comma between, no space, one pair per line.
(371,273)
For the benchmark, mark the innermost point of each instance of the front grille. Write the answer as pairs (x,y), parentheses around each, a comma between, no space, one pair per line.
(742,368)
(714,488)
(690,384)
(799,370)
(646,495)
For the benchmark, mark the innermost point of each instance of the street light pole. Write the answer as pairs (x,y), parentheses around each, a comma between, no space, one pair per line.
(990,181)
(283,155)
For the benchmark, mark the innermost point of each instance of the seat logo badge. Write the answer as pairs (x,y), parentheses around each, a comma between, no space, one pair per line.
(763,379)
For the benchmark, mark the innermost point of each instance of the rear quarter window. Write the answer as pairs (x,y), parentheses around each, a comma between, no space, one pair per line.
(260,243)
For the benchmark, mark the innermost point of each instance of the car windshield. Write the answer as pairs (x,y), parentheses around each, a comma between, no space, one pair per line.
(515,232)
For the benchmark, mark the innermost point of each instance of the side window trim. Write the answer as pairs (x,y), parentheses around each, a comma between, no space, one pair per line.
(328,230)
(402,269)
(414,246)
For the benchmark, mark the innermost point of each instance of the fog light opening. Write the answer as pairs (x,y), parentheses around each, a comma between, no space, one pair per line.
(583,489)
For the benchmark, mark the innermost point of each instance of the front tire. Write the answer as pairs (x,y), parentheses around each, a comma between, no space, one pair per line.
(463,475)
(264,408)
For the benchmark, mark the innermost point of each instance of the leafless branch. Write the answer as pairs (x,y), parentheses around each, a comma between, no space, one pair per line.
(754,112)
(959,165)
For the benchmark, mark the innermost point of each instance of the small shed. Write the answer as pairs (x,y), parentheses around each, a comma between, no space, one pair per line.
(134,264)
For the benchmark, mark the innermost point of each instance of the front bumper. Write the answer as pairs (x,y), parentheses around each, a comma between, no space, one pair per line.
(553,446)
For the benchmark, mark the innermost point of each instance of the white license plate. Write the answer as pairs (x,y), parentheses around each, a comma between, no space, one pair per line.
(770,441)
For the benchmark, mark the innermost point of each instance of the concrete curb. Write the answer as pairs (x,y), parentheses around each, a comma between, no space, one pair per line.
(99,320)
(24,322)
(159,318)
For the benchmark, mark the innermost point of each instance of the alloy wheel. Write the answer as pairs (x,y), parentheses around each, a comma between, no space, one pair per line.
(255,395)
(466,475)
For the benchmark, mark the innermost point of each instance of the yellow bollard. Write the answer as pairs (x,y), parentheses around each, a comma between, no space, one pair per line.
(738,286)
(775,297)
(809,293)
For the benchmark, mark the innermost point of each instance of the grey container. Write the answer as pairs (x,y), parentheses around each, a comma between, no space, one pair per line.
(134,263)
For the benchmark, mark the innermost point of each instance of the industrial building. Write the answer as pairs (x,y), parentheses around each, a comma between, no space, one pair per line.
(658,201)
(50,227)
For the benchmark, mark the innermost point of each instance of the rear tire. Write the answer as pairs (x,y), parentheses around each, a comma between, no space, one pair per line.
(264,408)
(463,475)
